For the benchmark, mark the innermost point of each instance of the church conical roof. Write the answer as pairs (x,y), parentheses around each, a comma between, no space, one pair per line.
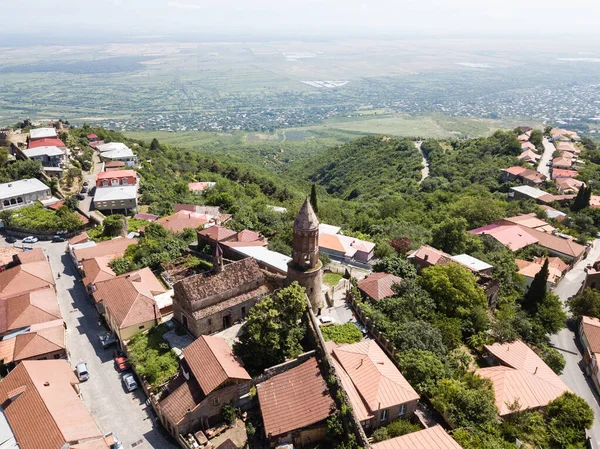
(306,220)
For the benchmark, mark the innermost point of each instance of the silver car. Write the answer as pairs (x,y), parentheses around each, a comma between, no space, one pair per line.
(82,372)
(129,382)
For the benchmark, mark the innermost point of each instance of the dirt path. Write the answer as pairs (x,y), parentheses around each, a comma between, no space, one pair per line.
(425,170)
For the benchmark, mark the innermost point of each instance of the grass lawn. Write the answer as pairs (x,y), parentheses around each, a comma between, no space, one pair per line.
(332,279)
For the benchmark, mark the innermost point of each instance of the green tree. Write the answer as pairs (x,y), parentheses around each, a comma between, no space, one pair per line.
(537,290)
(313,199)
(422,369)
(272,331)
(418,335)
(536,137)
(456,293)
(396,265)
(72,202)
(114,225)
(587,303)
(568,416)
(451,237)
(154,145)
(550,317)
(553,359)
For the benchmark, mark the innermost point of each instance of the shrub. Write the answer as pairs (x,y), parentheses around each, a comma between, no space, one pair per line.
(342,333)
(152,357)
(228,414)
(553,359)
(380,434)
(250,429)
(401,427)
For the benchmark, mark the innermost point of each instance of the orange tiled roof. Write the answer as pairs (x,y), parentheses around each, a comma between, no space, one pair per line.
(294,399)
(530,269)
(79,238)
(182,220)
(562,245)
(432,438)
(431,255)
(41,339)
(38,306)
(591,329)
(145,282)
(124,303)
(7,254)
(510,385)
(46,412)
(116,174)
(511,236)
(515,170)
(377,380)
(212,362)
(33,255)
(248,236)
(25,278)
(332,242)
(114,247)
(358,405)
(217,233)
(97,269)
(378,285)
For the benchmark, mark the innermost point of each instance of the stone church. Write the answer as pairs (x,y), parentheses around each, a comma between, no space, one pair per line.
(206,304)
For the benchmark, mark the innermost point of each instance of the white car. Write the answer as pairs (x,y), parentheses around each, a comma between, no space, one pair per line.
(82,372)
(326,321)
(30,239)
(129,382)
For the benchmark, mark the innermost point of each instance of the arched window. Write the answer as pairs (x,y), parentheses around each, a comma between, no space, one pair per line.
(6,203)
(13,201)
(20,199)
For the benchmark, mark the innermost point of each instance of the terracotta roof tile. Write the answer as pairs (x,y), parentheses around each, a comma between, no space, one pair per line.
(182,220)
(248,236)
(431,438)
(377,380)
(145,282)
(25,278)
(40,340)
(48,412)
(591,329)
(200,186)
(115,247)
(212,362)
(124,303)
(116,174)
(294,399)
(234,275)
(511,236)
(184,395)
(331,242)
(79,238)
(38,306)
(7,254)
(378,285)
(97,269)
(562,245)
(217,233)
(510,385)
(431,255)
(33,255)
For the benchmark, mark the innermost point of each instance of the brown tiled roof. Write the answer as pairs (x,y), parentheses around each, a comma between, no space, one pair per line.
(234,275)
(432,438)
(591,329)
(33,255)
(145,282)
(294,399)
(377,380)
(114,247)
(358,405)
(48,412)
(229,303)
(512,385)
(184,396)
(97,269)
(79,238)
(114,164)
(248,236)
(217,233)
(212,362)
(431,255)
(515,170)
(40,340)
(124,303)
(559,244)
(7,254)
(182,220)
(378,285)
(38,306)
(25,278)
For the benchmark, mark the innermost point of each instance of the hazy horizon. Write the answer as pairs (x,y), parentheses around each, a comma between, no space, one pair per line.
(310,19)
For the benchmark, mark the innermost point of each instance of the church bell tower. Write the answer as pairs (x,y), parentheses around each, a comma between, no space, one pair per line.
(305,266)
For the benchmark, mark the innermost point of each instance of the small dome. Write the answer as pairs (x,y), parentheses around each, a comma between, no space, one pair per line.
(306,220)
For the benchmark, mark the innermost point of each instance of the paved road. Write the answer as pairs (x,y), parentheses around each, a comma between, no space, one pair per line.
(566,342)
(425,170)
(115,410)
(86,204)
(549,148)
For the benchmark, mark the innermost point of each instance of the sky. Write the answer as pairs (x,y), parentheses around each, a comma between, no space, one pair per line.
(343,18)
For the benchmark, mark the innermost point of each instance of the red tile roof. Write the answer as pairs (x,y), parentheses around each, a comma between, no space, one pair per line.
(184,395)
(376,378)
(79,238)
(591,329)
(116,174)
(41,339)
(294,399)
(199,186)
(511,236)
(248,236)
(26,309)
(182,220)
(331,242)
(217,233)
(431,255)
(516,170)
(33,255)
(47,142)
(25,278)
(46,412)
(378,285)
(97,270)
(431,438)
(114,247)
(560,173)
(212,362)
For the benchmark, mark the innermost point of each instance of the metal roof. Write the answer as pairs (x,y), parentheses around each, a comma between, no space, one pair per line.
(22,187)
(111,146)
(529,191)
(121,153)
(43,151)
(472,262)
(115,193)
(42,133)
(263,255)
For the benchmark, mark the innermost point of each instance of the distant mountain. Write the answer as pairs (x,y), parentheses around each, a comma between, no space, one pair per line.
(367,168)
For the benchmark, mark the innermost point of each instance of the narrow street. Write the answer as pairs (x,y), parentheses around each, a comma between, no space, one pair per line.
(549,149)
(566,342)
(113,408)
(425,170)
(86,204)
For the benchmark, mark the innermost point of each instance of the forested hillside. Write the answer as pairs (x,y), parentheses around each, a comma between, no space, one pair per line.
(367,167)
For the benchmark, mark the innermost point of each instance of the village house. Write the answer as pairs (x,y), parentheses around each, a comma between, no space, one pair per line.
(42,133)
(121,199)
(267,260)
(592,276)
(31,272)
(229,240)
(48,156)
(25,192)
(568,185)
(25,307)
(378,286)
(427,256)
(184,220)
(116,178)
(199,187)
(295,406)
(47,142)
(125,155)
(89,249)
(562,162)
(343,248)
(521,376)
(556,270)
(529,156)
(561,173)
(114,166)
(43,341)
(126,310)
(553,213)
(528,146)
(147,217)
(378,392)
(208,304)
(528,192)
(210,378)
(431,438)
(92,137)
(589,337)
(42,407)
(525,175)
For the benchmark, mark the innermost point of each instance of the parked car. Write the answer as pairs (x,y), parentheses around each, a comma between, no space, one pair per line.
(86,183)
(58,239)
(326,321)
(84,189)
(112,441)
(82,371)
(30,239)
(107,339)
(129,382)
(10,239)
(80,196)
(362,328)
(121,362)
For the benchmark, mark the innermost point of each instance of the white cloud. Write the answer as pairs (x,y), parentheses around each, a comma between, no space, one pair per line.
(180,5)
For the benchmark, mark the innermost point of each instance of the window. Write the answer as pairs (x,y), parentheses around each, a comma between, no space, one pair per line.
(141,327)
(243,311)
(114,182)
(384,415)
(215,401)
(105,183)
(593,285)
(125,182)
(13,201)
(20,200)
(402,410)
(210,322)
(57,356)
(6,203)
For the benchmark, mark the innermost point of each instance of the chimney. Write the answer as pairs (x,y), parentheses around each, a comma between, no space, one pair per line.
(535,372)
(46,384)
(426,257)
